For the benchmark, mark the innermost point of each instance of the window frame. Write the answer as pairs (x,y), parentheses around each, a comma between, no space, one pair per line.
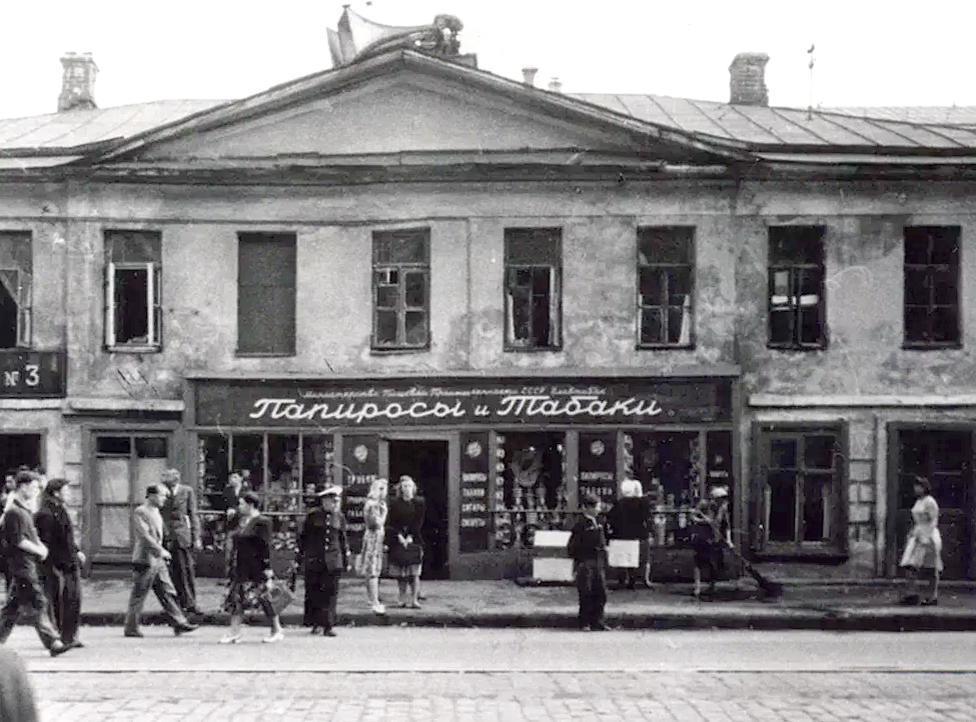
(930,269)
(154,341)
(403,268)
(665,307)
(555,292)
(794,295)
(25,288)
(279,237)
(836,546)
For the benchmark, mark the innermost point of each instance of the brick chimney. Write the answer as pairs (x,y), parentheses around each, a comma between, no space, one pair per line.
(528,75)
(77,82)
(556,85)
(747,79)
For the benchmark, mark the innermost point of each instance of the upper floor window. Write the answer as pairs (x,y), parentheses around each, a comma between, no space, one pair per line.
(932,286)
(266,294)
(401,289)
(133,290)
(533,270)
(15,289)
(797,307)
(665,286)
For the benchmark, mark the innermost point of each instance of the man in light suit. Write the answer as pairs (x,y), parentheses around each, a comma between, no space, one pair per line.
(149,558)
(181,537)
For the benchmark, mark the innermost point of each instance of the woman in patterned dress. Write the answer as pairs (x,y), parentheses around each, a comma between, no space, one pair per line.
(252,572)
(369,563)
(923,548)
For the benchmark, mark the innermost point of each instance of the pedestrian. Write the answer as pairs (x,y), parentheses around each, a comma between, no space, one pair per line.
(923,547)
(252,574)
(369,562)
(61,571)
(182,538)
(24,551)
(150,569)
(404,524)
(627,521)
(324,550)
(711,536)
(232,497)
(16,694)
(6,498)
(588,550)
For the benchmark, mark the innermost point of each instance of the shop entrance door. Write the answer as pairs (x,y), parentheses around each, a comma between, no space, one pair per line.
(427,463)
(19,450)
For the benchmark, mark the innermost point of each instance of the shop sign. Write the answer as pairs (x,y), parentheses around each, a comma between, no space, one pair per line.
(475,521)
(396,403)
(26,374)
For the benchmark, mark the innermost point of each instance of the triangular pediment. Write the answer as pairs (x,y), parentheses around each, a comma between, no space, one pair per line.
(404,103)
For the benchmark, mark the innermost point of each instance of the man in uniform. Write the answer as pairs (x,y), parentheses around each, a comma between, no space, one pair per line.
(181,537)
(324,551)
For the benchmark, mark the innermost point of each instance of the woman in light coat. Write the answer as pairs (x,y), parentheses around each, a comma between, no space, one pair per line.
(923,548)
(369,563)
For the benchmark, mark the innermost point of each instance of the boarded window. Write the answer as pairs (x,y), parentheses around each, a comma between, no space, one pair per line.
(16,282)
(932,286)
(266,294)
(533,271)
(665,286)
(133,280)
(797,308)
(401,289)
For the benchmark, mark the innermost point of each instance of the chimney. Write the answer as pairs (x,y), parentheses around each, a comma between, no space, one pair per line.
(747,79)
(556,85)
(528,75)
(77,82)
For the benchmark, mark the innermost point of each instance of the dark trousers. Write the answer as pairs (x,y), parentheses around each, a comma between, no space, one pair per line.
(591,583)
(181,567)
(26,595)
(154,576)
(321,595)
(62,587)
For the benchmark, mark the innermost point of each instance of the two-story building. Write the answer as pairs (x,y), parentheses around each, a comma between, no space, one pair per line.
(409,265)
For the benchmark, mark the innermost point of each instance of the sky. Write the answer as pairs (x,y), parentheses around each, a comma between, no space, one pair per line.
(866,52)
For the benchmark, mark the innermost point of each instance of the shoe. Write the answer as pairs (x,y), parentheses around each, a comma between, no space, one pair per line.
(414,605)
(134,633)
(185,629)
(930,602)
(231,638)
(422,597)
(75,644)
(316,630)
(379,609)
(194,610)
(329,633)
(58,648)
(600,627)
(276,637)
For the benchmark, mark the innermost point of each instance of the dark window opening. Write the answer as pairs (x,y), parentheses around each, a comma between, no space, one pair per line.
(932,286)
(16,269)
(665,277)
(797,307)
(133,312)
(532,288)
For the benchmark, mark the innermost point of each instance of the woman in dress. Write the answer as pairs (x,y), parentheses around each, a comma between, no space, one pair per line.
(628,521)
(252,572)
(403,526)
(369,563)
(923,548)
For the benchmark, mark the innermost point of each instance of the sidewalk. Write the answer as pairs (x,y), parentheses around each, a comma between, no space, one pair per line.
(850,606)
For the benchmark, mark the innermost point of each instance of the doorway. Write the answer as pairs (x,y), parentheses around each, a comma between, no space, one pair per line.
(19,450)
(427,463)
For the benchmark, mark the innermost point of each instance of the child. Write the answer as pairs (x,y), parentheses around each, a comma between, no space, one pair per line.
(588,550)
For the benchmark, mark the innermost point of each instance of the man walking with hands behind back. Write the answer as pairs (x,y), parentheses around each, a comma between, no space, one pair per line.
(588,550)
(150,571)
(181,537)
(24,550)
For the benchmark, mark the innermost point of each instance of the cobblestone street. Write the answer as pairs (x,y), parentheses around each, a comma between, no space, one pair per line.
(535,697)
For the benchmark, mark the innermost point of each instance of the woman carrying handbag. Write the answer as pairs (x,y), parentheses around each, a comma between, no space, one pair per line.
(252,584)
(403,526)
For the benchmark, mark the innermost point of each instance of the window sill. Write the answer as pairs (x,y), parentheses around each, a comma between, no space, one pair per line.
(665,347)
(134,349)
(532,349)
(399,351)
(949,346)
(799,349)
(259,354)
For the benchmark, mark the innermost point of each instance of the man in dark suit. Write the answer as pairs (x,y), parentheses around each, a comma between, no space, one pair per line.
(324,552)
(181,537)
(150,570)
(588,550)
(61,571)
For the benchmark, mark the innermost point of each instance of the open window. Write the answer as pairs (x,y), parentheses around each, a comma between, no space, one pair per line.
(401,290)
(533,270)
(797,308)
(15,290)
(665,286)
(133,293)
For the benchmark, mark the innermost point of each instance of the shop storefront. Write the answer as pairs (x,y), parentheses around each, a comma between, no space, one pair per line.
(495,458)
(31,386)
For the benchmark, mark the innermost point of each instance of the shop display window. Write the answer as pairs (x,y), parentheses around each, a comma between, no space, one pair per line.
(530,491)
(284,470)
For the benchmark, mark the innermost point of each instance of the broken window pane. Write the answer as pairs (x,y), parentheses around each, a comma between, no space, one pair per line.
(386,327)
(532,288)
(131,306)
(16,273)
(816,506)
(782,506)
(416,327)
(9,308)
(133,315)
(401,269)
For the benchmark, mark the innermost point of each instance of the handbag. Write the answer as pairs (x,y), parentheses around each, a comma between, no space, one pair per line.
(405,556)
(278,597)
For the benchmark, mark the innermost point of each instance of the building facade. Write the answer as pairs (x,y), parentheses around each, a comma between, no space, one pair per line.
(411,266)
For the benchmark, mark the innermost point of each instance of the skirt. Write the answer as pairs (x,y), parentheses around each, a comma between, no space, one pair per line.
(369,561)
(923,555)
(408,571)
(245,595)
